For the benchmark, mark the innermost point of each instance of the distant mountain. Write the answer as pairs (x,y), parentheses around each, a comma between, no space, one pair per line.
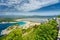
(22,16)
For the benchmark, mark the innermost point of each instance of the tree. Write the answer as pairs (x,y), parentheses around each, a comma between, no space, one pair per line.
(14,35)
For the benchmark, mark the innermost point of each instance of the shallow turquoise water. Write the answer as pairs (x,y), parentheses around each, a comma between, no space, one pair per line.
(21,23)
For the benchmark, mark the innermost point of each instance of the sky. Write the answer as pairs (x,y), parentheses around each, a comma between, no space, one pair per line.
(30,7)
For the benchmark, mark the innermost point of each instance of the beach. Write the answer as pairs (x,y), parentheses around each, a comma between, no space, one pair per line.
(28,22)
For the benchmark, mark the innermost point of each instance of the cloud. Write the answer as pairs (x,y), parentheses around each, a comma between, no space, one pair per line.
(34,4)
(28,5)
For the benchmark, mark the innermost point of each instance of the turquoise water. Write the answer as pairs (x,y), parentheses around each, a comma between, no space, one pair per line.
(21,23)
(6,25)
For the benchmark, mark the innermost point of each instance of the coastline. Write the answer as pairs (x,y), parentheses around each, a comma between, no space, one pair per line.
(27,25)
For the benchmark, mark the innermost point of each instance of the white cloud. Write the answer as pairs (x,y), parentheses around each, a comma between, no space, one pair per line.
(21,5)
(11,2)
(34,4)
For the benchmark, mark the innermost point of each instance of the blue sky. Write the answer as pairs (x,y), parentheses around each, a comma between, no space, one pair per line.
(30,7)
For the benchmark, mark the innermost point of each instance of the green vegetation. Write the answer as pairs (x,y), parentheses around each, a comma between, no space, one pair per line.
(14,35)
(45,31)
(58,16)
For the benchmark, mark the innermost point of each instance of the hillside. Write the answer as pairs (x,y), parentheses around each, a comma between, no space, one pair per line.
(45,31)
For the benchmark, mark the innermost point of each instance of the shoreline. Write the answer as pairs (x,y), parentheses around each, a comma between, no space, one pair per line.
(27,25)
